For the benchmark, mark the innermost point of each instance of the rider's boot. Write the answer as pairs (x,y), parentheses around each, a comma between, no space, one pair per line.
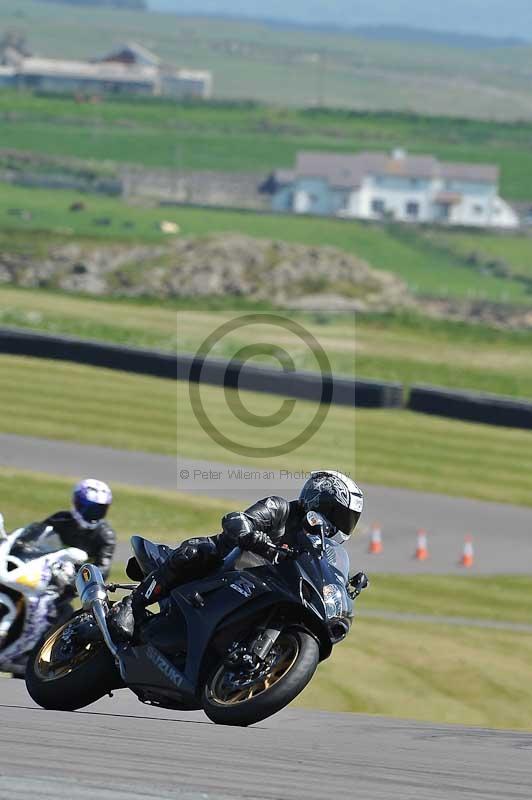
(124,614)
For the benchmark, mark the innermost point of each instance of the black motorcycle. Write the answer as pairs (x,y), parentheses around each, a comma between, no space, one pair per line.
(241,643)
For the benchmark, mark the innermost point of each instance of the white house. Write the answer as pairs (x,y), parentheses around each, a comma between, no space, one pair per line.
(396,186)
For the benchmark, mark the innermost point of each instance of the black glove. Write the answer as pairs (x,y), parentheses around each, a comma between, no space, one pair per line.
(257,542)
(235,525)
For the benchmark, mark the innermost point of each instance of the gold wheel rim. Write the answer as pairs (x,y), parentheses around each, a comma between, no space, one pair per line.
(43,665)
(264,683)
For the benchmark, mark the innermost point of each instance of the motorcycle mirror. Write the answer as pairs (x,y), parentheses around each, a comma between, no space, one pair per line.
(314,521)
(359,582)
(316,525)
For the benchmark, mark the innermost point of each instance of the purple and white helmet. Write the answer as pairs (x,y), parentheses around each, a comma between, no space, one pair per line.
(90,502)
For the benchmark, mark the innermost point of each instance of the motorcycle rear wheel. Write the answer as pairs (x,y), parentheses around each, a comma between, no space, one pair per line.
(68,685)
(229,699)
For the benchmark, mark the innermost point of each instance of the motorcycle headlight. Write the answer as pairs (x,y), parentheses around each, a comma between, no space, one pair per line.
(334,601)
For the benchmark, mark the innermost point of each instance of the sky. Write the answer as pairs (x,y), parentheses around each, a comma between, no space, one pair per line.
(501,18)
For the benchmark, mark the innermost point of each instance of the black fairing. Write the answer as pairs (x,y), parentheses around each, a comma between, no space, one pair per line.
(200,619)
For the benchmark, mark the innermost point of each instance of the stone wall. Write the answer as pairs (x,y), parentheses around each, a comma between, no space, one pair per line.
(240,190)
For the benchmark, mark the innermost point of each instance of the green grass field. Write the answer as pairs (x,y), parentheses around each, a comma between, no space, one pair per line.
(395,448)
(301,67)
(493,597)
(503,255)
(427,269)
(405,348)
(249,137)
(429,672)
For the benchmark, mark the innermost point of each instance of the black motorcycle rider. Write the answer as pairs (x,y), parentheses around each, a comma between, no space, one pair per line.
(266,524)
(84,526)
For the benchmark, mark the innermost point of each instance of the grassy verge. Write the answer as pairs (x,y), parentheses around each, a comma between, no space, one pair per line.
(396,448)
(163,516)
(497,597)
(425,672)
(428,269)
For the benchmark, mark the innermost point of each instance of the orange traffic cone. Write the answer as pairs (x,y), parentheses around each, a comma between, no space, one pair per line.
(468,553)
(422,550)
(375,542)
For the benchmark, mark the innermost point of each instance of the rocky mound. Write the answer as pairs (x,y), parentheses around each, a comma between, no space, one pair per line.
(220,265)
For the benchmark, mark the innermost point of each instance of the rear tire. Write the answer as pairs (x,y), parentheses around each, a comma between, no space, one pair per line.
(299,668)
(72,685)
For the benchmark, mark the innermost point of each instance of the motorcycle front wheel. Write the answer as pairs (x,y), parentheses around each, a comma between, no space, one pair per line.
(234,696)
(64,676)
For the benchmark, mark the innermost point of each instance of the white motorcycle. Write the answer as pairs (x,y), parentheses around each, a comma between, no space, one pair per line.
(32,584)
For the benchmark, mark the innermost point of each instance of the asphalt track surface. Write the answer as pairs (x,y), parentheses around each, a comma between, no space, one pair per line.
(501,532)
(118,749)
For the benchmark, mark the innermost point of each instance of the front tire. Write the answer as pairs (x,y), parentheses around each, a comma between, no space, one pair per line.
(230,699)
(66,685)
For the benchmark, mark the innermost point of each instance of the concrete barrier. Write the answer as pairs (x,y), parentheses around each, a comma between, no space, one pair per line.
(213,371)
(491,409)
(470,406)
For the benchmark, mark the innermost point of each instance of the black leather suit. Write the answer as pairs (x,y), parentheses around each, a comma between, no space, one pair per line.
(195,558)
(99,543)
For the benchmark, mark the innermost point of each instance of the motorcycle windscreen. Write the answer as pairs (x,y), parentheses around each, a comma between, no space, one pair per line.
(338,558)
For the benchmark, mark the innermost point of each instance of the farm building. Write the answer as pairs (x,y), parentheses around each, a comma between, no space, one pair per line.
(129,70)
(396,186)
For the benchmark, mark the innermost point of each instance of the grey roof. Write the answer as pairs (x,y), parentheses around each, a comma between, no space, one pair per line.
(470,172)
(342,170)
(142,55)
(347,171)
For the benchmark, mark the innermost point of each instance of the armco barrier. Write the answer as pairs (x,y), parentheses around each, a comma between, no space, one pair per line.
(97,354)
(217,372)
(490,409)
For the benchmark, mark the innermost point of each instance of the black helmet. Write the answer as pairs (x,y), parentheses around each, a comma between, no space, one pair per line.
(335,496)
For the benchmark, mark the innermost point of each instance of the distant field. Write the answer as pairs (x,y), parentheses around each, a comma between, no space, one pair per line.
(407,349)
(395,448)
(249,137)
(288,66)
(427,268)
(498,255)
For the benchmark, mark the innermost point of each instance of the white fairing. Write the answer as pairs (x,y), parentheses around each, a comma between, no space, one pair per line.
(345,486)
(36,594)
